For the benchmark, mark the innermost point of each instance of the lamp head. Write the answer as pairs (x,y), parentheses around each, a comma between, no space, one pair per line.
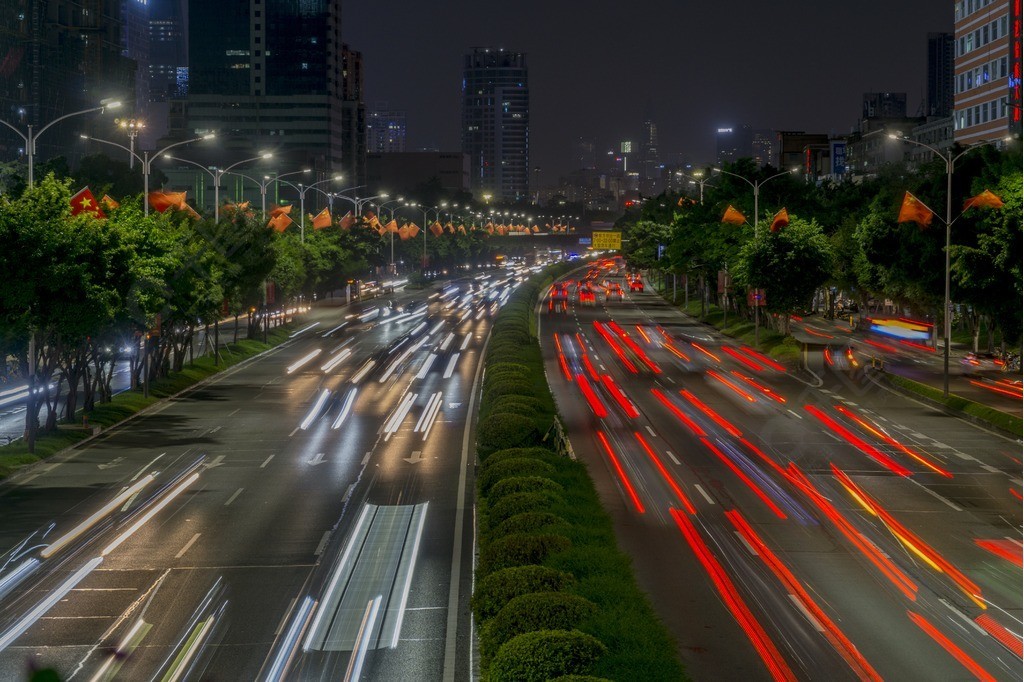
(266,155)
(83,136)
(208,136)
(110,104)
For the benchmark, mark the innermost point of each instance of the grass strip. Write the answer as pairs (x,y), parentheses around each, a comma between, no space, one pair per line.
(980,412)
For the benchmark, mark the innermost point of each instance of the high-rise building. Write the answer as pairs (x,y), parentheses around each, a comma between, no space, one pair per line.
(135,46)
(884,105)
(762,147)
(733,143)
(168,66)
(987,67)
(940,74)
(496,122)
(385,130)
(58,57)
(650,171)
(274,76)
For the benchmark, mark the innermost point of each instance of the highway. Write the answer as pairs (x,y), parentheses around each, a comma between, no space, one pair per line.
(306,514)
(789,524)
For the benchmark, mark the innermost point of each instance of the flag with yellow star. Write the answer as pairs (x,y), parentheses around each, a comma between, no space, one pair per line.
(85,202)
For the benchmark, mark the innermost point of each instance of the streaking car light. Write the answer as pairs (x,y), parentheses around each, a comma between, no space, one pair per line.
(363,371)
(95,517)
(316,409)
(153,511)
(346,408)
(336,360)
(303,330)
(303,360)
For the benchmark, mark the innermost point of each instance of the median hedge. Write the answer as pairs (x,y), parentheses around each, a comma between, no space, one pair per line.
(554,595)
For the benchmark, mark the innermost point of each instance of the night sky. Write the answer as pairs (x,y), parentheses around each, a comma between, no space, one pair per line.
(595,65)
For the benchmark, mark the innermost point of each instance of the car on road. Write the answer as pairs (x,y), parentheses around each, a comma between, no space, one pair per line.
(974,363)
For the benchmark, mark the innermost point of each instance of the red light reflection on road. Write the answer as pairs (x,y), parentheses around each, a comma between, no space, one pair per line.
(1007,549)
(946,643)
(743,477)
(621,472)
(711,414)
(830,630)
(766,649)
(898,578)
(625,403)
(760,387)
(762,358)
(739,357)
(909,540)
(1000,634)
(600,411)
(731,386)
(877,431)
(665,474)
(692,425)
(858,443)
(705,351)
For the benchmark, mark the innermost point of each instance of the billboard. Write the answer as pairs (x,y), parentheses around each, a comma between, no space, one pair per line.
(607,241)
(838,154)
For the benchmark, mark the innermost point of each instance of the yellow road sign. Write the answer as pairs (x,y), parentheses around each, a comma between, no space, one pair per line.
(607,241)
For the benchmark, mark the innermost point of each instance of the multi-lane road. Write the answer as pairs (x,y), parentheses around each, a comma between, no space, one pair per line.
(306,514)
(791,524)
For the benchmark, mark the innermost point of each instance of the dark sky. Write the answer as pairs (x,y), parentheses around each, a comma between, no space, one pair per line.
(595,65)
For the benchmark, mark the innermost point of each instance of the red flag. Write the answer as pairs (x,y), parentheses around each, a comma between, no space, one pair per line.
(391,227)
(986,199)
(161,201)
(414,229)
(912,210)
(109,203)
(780,220)
(733,217)
(322,220)
(276,210)
(85,202)
(372,221)
(403,232)
(280,222)
(347,221)
(461,229)
(190,211)
(436,229)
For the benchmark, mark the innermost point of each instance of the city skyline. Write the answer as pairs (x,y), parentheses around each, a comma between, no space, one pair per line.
(584,88)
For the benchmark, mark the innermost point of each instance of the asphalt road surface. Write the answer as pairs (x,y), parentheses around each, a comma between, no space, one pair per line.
(304,515)
(791,525)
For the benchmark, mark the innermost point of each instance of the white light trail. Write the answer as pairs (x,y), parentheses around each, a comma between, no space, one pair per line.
(426,411)
(316,409)
(303,330)
(363,371)
(426,366)
(345,408)
(150,514)
(46,604)
(408,578)
(331,331)
(291,638)
(465,342)
(451,366)
(447,341)
(391,426)
(335,578)
(336,360)
(89,522)
(303,360)
(355,664)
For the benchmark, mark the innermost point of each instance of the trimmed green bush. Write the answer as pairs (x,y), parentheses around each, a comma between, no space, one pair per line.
(539,656)
(531,612)
(521,484)
(502,430)
(518,503)
(502,387)
(526,405)
(521,549)
(580,678)
(511,467)
(531,522)
(497,589)
(541,454)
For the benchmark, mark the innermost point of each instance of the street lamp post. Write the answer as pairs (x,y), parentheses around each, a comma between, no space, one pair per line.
(302,189)
(949,159)
(218,173)
(131,126)
(697,179)
(147,160)
(30,137)
(756,185)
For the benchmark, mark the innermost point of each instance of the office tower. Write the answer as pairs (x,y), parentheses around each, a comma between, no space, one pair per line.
(987,67)
(274,76)
(940,74)
(385,129)
(650,171)
(58,57)
(733,143)
(884,105)
(496,122)
(135,46)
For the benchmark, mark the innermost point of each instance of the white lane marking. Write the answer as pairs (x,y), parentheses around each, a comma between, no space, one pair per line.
(750,548)
(366,458)
(187,546)
(671,379)
(451,366)
(704,494)
(233,496)
(915,434)
(651,431)
(934,494)
(807,614)
(963,616)
(672,457)
(294,431)
(348,492)
(990,469)
(266,462)
(832,436)
(323,543)
(465,342)
(794,414)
